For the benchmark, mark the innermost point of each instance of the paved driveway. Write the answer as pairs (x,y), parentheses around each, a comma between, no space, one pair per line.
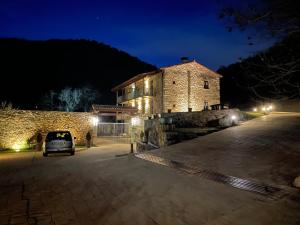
(266,149)
(94,187)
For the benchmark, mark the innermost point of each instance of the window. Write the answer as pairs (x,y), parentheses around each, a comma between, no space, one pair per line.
(206,84)
(169,110)
(174,106)
(174,82)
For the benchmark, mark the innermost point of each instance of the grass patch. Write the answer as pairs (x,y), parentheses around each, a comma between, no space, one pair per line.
(200,131)
(244,115)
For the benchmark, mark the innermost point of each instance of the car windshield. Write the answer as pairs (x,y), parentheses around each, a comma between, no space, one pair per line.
(59,136)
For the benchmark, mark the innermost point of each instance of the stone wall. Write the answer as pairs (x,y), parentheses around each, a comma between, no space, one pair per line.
(184,88)
(199,119)
(158,130)
(17,127)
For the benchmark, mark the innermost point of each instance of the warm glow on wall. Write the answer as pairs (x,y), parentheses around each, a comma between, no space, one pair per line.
(146,84)
(135,121)
(146,104)
(95,120)
(133,104)
(139,105)
(20,145)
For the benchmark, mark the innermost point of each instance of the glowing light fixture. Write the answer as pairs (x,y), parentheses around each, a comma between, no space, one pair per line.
(16,147)
(254,109)
(270,107)
(95,121)
(263,109)
(233,117)
(133,104)
(135,121)
(19,145)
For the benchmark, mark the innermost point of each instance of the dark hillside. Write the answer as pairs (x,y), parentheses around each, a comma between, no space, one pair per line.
(29,69)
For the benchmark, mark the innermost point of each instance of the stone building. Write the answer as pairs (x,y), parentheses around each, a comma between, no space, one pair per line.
(185,87)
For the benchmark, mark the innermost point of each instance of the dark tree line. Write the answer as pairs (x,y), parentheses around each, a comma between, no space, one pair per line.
(30,69)
(274,73)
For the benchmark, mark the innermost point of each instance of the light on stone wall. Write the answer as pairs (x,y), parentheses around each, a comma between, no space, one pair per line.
(135,121)
(20,145)
(16,147)
(146,84)
(146,104)
(139,105)
(95,121)
(133,103)
(270,108)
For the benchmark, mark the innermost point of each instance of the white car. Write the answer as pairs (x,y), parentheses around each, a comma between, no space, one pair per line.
(59,142)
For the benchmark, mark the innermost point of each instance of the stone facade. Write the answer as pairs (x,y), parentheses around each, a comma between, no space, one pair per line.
(184,87)
(175,88)
(18,127)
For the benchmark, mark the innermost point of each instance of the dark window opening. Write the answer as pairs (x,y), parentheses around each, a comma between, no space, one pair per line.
(174,106)
(190,109)
(169,110)
(206,85)
(174,82)
(205,106)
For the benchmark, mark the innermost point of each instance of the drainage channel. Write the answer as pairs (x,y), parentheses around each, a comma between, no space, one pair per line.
(270,192)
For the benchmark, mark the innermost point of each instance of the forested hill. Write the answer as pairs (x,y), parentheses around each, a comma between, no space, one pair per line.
(29,69)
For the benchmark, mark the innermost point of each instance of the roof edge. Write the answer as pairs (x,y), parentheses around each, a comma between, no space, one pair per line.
(135,78)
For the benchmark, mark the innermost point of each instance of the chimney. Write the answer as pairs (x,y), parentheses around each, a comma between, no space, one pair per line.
(184,59)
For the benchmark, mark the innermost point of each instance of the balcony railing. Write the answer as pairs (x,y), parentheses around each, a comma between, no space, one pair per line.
(135,94)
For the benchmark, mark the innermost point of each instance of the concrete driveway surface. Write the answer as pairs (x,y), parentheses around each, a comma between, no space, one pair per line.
(265,149)
(94,187)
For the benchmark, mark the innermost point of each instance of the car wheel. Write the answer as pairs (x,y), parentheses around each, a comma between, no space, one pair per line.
(72,152)
(45,154)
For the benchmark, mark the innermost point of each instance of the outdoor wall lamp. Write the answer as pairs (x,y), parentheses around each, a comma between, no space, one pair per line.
(95,121)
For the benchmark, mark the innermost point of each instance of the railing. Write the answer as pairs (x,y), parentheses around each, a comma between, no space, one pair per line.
(113,129)
(135,94)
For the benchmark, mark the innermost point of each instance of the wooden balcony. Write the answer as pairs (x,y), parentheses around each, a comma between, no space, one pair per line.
(134,95)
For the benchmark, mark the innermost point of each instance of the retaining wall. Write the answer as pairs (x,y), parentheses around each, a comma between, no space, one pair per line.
(20,127)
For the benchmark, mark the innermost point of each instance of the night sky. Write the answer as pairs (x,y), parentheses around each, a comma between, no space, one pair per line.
(158,32)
